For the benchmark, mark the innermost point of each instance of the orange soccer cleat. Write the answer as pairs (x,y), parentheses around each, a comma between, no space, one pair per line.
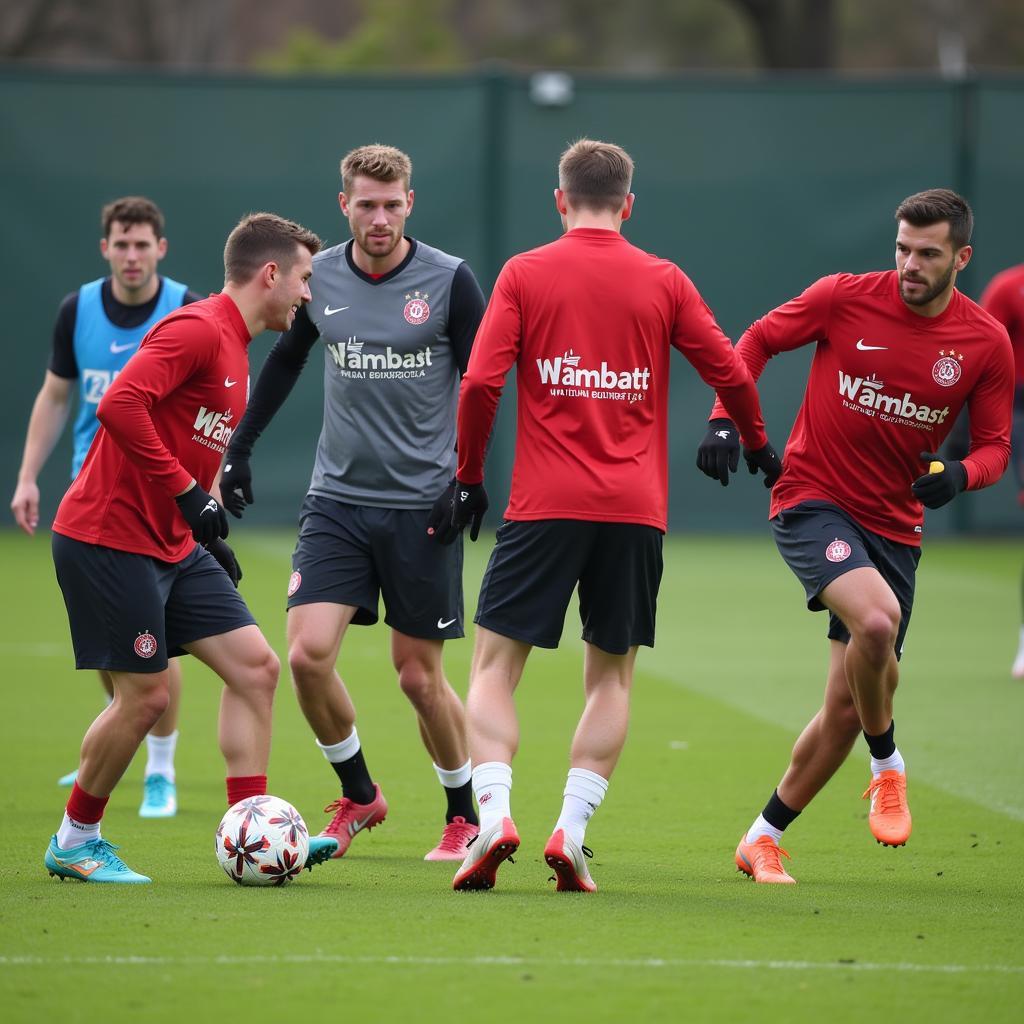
(762,861)
(566,858)
(488,850)
(889,817)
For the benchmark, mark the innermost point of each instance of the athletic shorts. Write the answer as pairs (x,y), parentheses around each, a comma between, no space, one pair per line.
(130,613)
(353,554)
(536,565)
(820,543)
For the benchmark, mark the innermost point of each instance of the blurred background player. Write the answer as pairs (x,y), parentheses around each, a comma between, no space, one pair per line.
(397,318)
(138,541)
(589,497)
(98,328)
(1004,299)
(898,354)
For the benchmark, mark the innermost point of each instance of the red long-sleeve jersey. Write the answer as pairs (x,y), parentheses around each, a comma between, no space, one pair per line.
(885,384)
(589,321)
(166,418)
(1004,299)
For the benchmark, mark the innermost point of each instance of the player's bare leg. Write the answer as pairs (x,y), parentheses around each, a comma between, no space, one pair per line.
(249,668)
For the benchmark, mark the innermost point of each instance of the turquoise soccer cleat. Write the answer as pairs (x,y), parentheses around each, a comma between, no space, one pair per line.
(159,798)
(69,779)
(321,848)
(91,862)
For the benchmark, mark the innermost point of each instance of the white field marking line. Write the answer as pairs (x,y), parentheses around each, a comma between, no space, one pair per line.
(656,963)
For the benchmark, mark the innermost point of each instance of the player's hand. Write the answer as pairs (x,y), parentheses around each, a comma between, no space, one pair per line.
(204,515)
(229,563)
(236,485)
(765,459)
(439,522)
(936,489)
(719,452)
(25,506)
(468,507)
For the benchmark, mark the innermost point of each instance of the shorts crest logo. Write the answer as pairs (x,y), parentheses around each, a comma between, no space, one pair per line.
(145,645)
(946,370)
(416,310)
(838,551)
(294,582)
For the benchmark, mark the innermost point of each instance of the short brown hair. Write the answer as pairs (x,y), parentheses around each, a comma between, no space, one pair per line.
(132,210)
(261,238)
(923,209)
(376,161)
(595,175)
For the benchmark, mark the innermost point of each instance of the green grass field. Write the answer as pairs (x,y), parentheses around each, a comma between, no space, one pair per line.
(930,932)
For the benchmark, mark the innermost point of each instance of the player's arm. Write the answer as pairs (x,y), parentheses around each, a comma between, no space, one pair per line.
(281,370)
(798,322)
(494,353)
(48,417)
(465,311)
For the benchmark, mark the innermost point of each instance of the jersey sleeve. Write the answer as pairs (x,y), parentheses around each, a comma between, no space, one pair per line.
(990,408)
(698,337)
(278,375)
(173,352)
(465,311)
(190,297)
(494,353)
(796,323)
(62,353)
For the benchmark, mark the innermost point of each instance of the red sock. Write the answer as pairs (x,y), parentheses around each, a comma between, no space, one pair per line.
(240,787)
(84,807)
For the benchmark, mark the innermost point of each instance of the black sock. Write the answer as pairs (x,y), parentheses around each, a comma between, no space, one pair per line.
(777,814)
(460,803)
(883,745)
(356,783)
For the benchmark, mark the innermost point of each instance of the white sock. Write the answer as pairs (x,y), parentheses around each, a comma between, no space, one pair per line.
(492,787)
(761,827)
(338,752)
(894,762)
(583,793)
(456,777)
(75,833)
(160,755)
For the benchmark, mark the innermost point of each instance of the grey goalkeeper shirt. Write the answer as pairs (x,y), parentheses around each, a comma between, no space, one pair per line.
(394,351)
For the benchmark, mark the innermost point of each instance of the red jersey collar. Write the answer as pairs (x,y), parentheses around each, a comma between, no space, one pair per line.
(234,316)
(924,323)
(599,234)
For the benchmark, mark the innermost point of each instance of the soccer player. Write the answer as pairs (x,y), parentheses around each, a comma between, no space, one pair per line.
(397,318)
(898,353)
(98,327)
(589,322)
(138,540)
(1004,299)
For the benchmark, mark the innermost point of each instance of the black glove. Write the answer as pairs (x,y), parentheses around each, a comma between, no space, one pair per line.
(203,514)
(439,522)
(934,490)
(468,507)
(719,452)
(765,459)
(229,563)
(236,484)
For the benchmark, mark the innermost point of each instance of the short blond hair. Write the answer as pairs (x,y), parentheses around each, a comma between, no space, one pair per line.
(376,161)
(595,175)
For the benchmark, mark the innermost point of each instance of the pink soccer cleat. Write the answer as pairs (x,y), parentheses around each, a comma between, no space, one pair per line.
(487,851)
(567,860)
(351,818)
(455,838)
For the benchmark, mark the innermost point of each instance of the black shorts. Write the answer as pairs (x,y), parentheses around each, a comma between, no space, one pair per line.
(130,613)
(353,554)
(820,543)
(536,565)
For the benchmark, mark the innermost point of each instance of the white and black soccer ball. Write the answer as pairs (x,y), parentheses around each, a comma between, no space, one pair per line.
(262,840)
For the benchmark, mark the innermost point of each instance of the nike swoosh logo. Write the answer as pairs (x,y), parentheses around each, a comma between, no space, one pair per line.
(229,383)
(441,624)
(330,312)
(358,826)
(85,868)
(871,348)
(118,349)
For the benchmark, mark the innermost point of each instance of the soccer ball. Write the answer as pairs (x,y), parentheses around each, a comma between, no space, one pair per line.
(262,841)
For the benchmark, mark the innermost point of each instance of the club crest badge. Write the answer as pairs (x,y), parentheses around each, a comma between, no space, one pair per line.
(145,645)
(838,551)
(416,311)
(946,370)
(294,582)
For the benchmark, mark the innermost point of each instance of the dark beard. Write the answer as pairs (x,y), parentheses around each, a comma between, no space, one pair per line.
(936,289)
